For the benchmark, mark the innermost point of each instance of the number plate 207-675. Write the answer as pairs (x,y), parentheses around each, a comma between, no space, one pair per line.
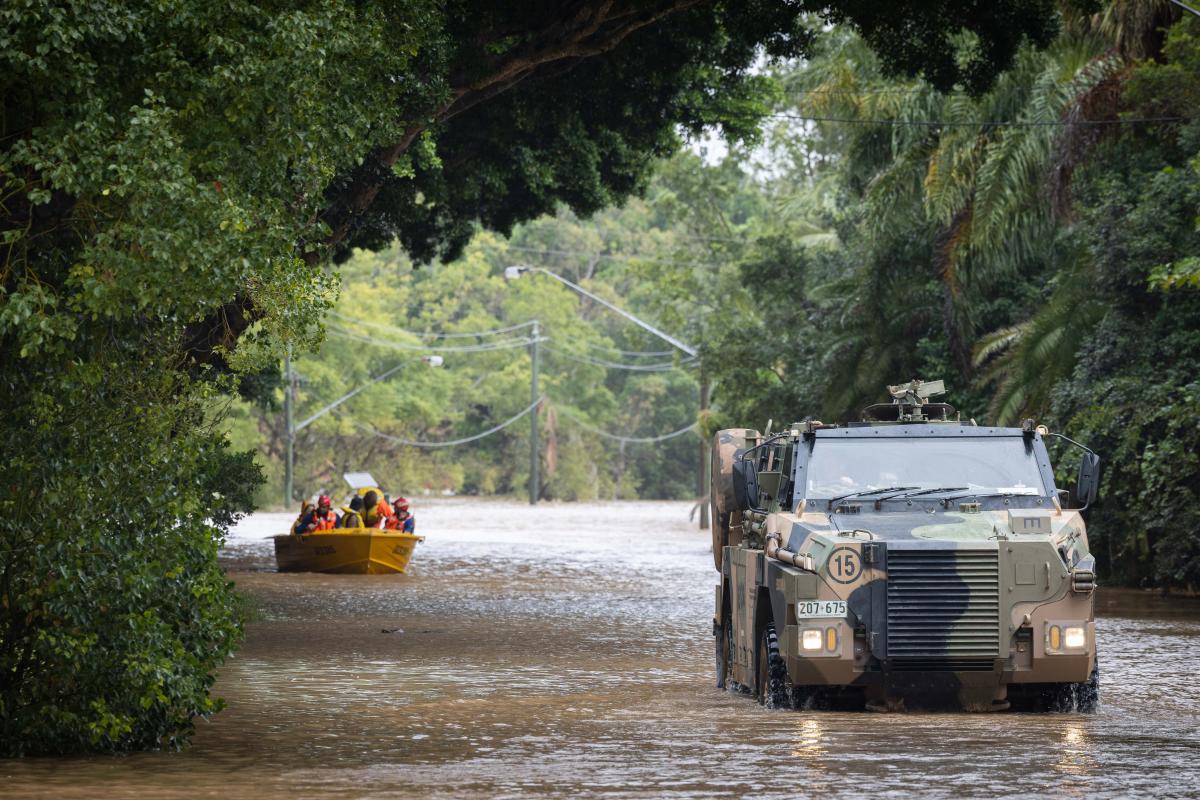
(820,608)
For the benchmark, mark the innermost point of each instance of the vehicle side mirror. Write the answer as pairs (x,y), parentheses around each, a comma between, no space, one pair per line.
(1087,486)
(745,485)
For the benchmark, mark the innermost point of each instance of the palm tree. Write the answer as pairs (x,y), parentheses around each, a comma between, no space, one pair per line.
(964,191)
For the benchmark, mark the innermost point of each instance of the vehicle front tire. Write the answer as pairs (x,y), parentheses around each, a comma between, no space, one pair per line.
(774,688)
(1083,698)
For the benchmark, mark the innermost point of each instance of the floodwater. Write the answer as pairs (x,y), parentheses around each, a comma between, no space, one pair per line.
(567,651)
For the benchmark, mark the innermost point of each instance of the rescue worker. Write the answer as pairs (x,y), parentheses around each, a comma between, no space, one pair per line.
(385,507)
(304,509)
(373,514)
(352,518)
(321,518)
(403,521)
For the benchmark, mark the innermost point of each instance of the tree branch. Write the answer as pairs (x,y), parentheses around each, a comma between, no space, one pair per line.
(589,30)
(582,36)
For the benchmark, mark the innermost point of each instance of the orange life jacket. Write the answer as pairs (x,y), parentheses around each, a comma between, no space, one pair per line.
(327,522)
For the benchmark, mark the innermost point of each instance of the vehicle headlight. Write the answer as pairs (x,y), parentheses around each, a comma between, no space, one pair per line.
(812,640)
(1074,638)
(1063,639)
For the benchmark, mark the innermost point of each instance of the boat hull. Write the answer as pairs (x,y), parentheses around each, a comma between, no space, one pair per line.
(355,551)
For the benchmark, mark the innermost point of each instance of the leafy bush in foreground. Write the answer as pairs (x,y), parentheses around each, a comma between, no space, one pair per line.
(113,611)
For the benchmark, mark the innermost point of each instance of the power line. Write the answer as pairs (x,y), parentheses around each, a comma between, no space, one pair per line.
(628,257)
(1186,7)
(626,439)
(662,366)
(857,92)
(454,442)
(482,347)
(401,331)
(630,353)
(939,123)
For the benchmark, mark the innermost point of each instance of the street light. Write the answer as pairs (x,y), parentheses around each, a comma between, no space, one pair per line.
(289,401)
(516,271)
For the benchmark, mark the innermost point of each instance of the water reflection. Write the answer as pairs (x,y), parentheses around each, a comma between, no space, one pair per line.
(509,665)
(809,748)
(1075,760)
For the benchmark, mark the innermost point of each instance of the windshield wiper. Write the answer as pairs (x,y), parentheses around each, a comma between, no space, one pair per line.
(952,498)
(934,490)
(863,492)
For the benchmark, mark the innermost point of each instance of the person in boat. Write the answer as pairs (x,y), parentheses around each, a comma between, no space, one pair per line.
(321,518)
(403,520)
(389,513)
(373,514)
(305,507)
(352,516)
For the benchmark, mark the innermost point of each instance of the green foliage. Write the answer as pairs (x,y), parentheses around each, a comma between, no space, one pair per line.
(924,44)
(113,612)
(385,309)
(1134,399)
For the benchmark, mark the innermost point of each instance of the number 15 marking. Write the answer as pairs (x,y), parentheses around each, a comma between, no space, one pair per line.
(845,566)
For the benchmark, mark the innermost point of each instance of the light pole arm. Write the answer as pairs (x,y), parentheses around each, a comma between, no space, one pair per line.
(691,351)
(306,422)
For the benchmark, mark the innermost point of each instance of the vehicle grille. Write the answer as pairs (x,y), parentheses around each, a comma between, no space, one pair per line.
(943,603)
(943,664)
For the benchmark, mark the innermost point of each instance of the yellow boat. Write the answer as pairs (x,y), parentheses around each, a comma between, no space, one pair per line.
(357,551)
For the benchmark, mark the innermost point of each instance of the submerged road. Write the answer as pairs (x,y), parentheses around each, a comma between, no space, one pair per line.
(567,651)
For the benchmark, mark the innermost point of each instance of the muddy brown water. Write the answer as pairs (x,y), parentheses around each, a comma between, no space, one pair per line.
(567,651)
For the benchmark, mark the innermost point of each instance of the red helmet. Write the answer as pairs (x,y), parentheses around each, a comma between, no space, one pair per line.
(402,503)
(324,500)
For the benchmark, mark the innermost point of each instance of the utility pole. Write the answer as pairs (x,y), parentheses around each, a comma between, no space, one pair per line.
(293,427)
(535,457)
(703,477)
(516,271)
(288,410)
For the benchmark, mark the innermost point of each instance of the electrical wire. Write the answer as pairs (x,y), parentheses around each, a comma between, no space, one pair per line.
(401,332)
(630,353)
(454,442)
(1186,7)
(482,347)
(626,439)
(628,257)
(662,366)
(857,92)
(999,123)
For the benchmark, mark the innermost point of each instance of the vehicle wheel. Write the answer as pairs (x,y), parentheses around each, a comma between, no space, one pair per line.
(774,688)
(722,635)
(1081,697)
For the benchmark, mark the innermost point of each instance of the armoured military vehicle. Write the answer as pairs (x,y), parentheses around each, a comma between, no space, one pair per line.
(907,560)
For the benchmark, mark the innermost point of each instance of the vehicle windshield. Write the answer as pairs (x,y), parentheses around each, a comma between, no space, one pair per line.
(999,465)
